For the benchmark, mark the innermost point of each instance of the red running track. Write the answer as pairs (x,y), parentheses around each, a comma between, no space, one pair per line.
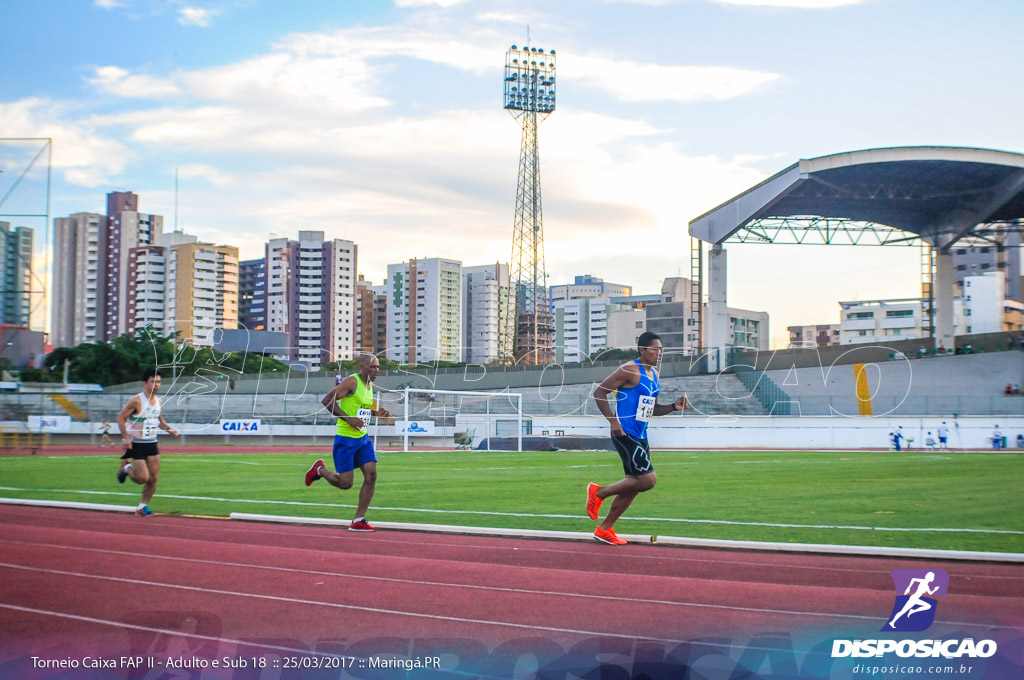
(99,584)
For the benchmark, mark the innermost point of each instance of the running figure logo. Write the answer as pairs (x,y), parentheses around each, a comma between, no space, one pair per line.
(914,610)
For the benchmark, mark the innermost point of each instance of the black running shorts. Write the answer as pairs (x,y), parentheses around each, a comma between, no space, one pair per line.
(141,451)
(635,454)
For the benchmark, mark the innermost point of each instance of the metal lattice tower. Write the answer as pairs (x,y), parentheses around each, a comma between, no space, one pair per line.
(530,97)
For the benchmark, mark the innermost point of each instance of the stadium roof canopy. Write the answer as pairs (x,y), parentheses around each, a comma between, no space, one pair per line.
(879,197)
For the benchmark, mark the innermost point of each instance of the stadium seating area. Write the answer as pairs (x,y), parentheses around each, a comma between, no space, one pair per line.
(943,385)
(963,384)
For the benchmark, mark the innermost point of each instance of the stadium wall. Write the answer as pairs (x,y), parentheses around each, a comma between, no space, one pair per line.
(669,432)
(795,433)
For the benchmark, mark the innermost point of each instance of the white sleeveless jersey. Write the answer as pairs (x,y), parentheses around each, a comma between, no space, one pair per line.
(144,425)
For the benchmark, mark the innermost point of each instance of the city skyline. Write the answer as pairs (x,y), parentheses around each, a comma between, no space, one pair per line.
(382,123)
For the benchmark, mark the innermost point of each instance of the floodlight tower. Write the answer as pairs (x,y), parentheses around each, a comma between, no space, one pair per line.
(530,97)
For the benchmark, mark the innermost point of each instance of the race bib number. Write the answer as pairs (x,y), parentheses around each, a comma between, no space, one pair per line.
(363,413)
(645,409)
(150,427)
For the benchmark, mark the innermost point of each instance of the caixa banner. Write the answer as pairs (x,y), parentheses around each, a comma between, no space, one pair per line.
(241,427)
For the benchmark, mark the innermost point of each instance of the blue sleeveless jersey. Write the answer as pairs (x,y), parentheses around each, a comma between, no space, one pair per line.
(634,406)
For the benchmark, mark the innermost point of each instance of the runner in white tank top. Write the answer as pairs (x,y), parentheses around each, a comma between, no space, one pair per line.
(143,426)
(140,421)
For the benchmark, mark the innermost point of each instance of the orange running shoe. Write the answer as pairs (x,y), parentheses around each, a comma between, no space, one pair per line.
(593,502)
(608,536)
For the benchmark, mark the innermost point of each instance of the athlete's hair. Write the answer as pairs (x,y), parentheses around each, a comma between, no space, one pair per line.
(365,358)
(646,338)
(150,372)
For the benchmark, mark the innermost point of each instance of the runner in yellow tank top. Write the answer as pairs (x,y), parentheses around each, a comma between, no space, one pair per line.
(352,401)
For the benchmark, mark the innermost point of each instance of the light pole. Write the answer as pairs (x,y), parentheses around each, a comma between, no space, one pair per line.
(530,98)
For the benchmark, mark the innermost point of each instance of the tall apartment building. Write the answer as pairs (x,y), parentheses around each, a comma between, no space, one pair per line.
(15,274)
(484,311)
(585,327)
(581,328)
(987,307)
(371,322)
(78,291)
(310,294)
(277,260)
(424,311)
(674,321)
(252,294)
(586,286)
(626,323)
(146,289)
(672,317)
(125,228)
(867,321)
(748,328)
(820,335)
(980,260)
(202,291)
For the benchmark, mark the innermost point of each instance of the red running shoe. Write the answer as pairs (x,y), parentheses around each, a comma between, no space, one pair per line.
(361,525)
(608,536)
(313,473)
(593,502)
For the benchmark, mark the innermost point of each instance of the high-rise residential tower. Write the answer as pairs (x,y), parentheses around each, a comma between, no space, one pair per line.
(424,311)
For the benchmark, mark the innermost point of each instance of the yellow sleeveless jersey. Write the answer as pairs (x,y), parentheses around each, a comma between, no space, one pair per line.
(356,405)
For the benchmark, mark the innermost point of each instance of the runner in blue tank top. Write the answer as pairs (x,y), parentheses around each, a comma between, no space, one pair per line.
(636,388)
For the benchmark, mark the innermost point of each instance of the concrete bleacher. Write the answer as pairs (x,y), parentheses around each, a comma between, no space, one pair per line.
(947,385)
(962,384)
(708,394)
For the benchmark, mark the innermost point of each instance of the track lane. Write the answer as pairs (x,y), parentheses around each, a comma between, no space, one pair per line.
(310,585)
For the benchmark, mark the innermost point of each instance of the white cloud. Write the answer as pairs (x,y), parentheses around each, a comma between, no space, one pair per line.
(86,157)
(195,16)
(291,78)
(632,81)
(118,81)
(345,161)
(207,173)
(795,4)
(428,3)
(505,18)
(789,4)
(477,56)
(109,4)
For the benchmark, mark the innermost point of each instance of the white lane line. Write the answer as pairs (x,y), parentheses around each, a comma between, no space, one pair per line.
(338,605)
(728,558)
(252,645)
(164,631)
(729,555)
(538,515)
(500,589)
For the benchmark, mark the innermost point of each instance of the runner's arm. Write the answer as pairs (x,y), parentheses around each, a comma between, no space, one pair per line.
(622,377)
(680,404)
(345,389)
(130,408)
(168,428)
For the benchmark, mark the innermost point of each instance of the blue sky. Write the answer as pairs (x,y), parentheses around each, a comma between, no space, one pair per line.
(382,122)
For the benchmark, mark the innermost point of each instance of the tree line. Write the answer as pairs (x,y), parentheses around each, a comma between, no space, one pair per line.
(124,359)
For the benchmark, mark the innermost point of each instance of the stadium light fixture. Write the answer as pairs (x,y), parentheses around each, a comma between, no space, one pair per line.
(529,80)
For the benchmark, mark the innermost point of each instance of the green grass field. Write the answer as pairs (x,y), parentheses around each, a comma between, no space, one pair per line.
(940,500)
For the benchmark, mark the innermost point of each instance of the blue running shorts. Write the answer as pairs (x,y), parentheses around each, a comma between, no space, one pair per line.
(350,453)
